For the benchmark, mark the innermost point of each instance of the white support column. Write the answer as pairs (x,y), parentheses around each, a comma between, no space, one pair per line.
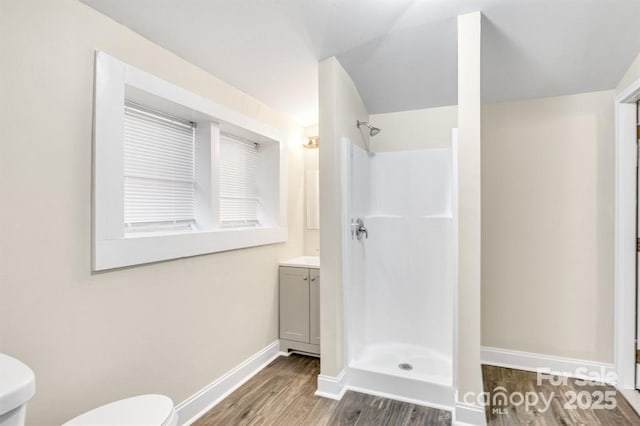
(468,370)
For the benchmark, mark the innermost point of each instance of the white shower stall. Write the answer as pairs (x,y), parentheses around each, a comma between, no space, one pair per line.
(400,276)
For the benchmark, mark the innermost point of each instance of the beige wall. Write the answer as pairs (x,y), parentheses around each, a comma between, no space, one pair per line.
(416,129)
(340,107)
(538,157)
(547,226)
(542,155)
(311,162)
(170,327)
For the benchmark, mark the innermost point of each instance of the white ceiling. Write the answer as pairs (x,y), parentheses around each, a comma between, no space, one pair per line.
(401,54)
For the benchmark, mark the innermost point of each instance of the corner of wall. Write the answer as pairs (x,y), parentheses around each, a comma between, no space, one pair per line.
(340,107)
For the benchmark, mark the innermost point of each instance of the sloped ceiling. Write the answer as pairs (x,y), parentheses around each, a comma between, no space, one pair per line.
(401,54)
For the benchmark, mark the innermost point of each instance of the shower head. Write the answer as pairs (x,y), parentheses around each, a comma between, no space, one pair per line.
(372,130)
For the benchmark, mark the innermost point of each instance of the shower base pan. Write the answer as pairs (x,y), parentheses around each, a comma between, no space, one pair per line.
(404,372)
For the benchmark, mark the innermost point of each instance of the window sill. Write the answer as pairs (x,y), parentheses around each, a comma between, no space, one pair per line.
(129,251)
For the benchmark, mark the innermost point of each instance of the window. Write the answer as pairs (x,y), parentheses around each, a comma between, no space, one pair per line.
(176,174)
(238,172)
(159,187)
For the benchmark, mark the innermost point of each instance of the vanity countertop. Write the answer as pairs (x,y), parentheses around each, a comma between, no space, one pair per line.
(303,262)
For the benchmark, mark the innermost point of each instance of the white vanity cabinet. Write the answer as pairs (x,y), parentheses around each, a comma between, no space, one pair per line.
(300,306)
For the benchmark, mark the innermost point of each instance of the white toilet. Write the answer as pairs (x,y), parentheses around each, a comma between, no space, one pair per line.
(17,386)
(142,410)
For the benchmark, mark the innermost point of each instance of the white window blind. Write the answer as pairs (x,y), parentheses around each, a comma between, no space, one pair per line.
(158,171)
(238,171)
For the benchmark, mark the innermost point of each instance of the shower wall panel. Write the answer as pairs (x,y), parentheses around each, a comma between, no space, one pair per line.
(400,292)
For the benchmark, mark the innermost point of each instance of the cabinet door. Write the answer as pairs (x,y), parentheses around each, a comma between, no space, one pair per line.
(294,304)
(314,306)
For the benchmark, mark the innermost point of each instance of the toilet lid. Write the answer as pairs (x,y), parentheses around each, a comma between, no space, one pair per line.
(143,410)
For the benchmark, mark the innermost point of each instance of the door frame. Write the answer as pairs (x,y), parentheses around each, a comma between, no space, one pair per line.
(625,235)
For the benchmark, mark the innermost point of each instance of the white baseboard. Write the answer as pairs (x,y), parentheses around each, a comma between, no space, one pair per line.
(467,414)
(570,367)
(332,387)
(202,401)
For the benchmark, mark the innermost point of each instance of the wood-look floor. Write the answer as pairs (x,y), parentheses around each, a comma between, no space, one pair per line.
(561,397)
(283,394)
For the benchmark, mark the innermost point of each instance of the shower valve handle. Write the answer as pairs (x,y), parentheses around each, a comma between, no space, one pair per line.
(363,230)
(358,229)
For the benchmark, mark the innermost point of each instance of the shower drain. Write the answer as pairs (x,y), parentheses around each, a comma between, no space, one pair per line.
(405,366)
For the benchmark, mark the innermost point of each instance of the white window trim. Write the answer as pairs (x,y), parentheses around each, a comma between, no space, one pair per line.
(111,249)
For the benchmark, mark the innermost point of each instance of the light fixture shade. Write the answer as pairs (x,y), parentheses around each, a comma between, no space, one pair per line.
(312,142)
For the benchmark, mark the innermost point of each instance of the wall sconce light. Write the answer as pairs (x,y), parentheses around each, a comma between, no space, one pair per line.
(312,142)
